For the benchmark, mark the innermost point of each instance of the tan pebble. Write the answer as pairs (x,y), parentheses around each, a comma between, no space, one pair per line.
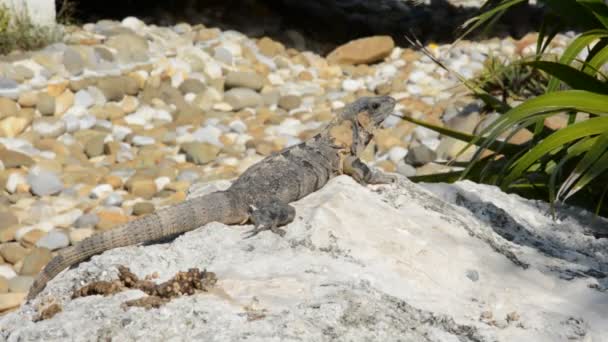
(270,47)
(387,166)
(114,181)
(8,107)
(264,147)
(30,238)
(35,261)
(3,285)
(57,88)
(13,252)
(143,208)
(10,301)
(110,219)
(143,188)
(8,234)
(13,126)
(77,235)
(28,98)
(207,34)
(64,102)
(178,186)
(129,104)
(305,76)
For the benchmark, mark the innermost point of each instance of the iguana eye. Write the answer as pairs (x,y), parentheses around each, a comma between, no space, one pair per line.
(375,105)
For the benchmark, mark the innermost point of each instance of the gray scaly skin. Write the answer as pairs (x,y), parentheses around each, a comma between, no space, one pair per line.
(261,195)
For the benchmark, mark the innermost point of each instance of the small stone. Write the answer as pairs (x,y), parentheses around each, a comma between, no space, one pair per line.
(46,104)
(94,147)
(73,61)
(270,47)
(199,152)
(44,183)
(13,159)
(83,99)
(30,238)
(239,98)
(86,220)
(64,102)
(110,219)
(28,98)
(8,107)
(49,127)
(55,239)
(114,181)
(15,181)
(3,285)
(7,271)
(143,188)
(113,88)
(20,283)
(13,126)
(34,262)
(405,169)
(289,102)
(473,275)
(362,51)
(143,208)
(10,301)
(13,252)
(7,83)
(77,235)
(8,234)
(7,219)
(192,85)
(22,73)
(141,140)
(129,47)
(420,155)
(244,79)
(113,200)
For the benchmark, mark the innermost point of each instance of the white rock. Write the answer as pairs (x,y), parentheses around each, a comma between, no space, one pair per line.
(210,134)
(425,262)
(7,271)
(238,126)
(54,240)
(14,179)
(161,182)
(82,98)
(351,85)
(101,191)
(397,153)
(133,23)
(142,140)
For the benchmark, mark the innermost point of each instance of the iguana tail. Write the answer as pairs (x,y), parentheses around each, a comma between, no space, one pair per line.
(188,215)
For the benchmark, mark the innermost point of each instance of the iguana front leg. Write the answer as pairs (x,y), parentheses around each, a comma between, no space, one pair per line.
(270,216)
(363,174)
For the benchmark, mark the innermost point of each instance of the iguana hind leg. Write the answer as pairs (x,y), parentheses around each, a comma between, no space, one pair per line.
(270,216)
(363,174)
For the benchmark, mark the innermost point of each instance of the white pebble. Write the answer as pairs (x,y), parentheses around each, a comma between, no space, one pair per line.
(101,191)
(14,179)
(7,271)
(351,85)
(397,153)
(141,140)
(83,99)
(161,182)
(238,126)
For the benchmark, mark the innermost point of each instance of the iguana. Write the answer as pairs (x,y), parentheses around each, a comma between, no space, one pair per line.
(261,195)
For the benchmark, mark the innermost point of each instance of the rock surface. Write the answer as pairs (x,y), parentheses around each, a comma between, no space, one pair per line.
(404,262)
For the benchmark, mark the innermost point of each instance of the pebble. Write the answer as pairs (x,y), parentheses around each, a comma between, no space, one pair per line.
(83,99)
(35,261)
(244,79)
(3,285)
(420,155)
(239,98)
(7,219)
(20,283)
(143,208)
(200,152)
(8,107)
(45,104)
(7,272)
(11,300)
(54,240)
(49,127)
(44,183)
(13,159)
(113,200)
(86,220)
(110,219)
(12,252)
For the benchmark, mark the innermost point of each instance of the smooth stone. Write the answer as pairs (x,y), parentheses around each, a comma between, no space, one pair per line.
(72,60)
(143,208)
(94,147)
(113,88)
(141,140)
(189,176)
(64,102)
(44,183)
(244,79)
(289,102)
(7,271)
(7,219)
(13,159)
(77,235)
(46,104)
(28,99)
(13,126)
(13,252)
(8,107)
(3,285)
(405,169)
(192,85)
(10,301)
(101,191)
(129,47)
(110,219)
(143,188)
(113,200)
(35,261)
(84,99)
(49,127)
(54,240)
(7,83)
(362,51)
(20,283)
(86,220)
(239,98)
(420,155)
(200,152)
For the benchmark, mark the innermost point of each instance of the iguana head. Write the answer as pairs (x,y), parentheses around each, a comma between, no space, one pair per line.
(370,111)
